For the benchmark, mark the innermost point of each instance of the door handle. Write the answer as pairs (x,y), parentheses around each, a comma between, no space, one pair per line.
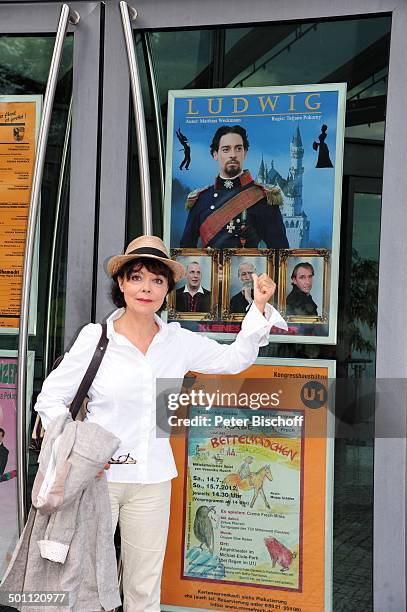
(129,14)
(65,149)
(66,15)
(157,112)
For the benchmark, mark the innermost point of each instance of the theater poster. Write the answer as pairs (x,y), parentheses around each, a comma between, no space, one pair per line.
(8,450)
(253,185)
(251,513)
(19,124)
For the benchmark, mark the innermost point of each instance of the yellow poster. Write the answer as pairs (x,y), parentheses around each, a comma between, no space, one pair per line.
(19,119)
(251,514)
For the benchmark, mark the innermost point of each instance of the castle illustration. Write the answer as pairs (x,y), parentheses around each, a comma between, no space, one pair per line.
(295,219)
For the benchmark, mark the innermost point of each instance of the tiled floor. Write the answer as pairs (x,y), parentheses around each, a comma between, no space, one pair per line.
(353,524)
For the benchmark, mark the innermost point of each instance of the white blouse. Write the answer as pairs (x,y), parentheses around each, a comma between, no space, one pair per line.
(122,395)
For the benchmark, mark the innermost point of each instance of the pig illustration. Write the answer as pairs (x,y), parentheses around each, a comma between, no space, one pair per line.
(279,553)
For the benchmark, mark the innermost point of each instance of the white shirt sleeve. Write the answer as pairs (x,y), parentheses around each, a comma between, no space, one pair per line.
(209,357)
(61,385)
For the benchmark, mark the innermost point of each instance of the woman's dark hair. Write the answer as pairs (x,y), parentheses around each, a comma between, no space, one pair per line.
(155,266)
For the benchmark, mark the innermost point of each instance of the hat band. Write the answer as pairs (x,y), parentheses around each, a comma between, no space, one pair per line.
(148,251)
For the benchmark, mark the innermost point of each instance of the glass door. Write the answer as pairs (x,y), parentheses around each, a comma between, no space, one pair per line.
(63,247)
(294,53)
(292,43)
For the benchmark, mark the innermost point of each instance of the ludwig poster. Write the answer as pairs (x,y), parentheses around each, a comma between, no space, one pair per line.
(253,185)
(251,514)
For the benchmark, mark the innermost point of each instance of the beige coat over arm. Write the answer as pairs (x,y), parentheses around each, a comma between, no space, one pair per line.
(67,543)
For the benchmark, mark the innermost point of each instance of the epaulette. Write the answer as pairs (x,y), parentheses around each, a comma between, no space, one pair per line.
(193,196)
(273,194)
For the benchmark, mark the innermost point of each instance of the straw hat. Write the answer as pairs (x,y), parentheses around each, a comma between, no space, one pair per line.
(146,246)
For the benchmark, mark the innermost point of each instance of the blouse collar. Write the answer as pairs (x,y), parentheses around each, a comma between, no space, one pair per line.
(116,314)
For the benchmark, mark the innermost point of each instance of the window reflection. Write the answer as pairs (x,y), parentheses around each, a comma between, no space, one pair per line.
(183,60)
(25,62)
(320,44)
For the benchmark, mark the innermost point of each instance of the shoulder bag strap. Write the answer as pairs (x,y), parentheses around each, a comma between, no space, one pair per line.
(90,372)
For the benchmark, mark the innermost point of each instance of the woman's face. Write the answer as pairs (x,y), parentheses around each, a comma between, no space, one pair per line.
(143,291)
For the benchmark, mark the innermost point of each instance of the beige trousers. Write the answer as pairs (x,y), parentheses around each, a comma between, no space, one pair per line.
(143,514)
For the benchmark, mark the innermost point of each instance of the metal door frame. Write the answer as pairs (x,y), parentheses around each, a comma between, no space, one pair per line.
(390,454)
(42,18)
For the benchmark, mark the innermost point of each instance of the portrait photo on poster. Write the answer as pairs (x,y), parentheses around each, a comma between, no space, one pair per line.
(195,297)
(303,294)
(239,265)
(256,168)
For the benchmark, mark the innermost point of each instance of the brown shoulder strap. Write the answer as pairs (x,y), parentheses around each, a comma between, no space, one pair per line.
(90,372)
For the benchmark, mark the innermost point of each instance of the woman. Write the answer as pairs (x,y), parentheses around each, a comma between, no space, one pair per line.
(122,397)
(324,161)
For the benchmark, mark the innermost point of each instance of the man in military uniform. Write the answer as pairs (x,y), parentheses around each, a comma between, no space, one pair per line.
(236,211)
(299,301)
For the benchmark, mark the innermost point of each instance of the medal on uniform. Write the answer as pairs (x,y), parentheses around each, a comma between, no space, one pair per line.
(244,228)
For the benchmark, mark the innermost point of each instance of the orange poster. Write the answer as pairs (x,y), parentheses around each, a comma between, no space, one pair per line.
(19,117)
(251,513)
